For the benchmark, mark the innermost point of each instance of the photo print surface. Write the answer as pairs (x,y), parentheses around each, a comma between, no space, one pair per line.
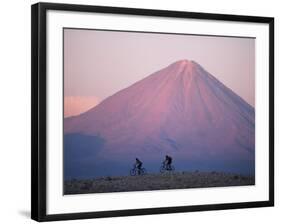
(157,111)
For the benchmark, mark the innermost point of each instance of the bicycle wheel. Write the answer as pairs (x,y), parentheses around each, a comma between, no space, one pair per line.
(172,168)
(133,172)
(143,171)
(162,169)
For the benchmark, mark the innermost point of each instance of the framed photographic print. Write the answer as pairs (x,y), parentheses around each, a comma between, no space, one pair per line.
(141,111)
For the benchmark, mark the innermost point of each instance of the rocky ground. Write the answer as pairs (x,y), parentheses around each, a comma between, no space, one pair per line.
(169,180)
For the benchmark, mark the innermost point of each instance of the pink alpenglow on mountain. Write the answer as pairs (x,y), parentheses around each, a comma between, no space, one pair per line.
(181,110)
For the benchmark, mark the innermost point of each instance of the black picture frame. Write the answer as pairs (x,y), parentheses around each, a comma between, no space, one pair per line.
(39,121)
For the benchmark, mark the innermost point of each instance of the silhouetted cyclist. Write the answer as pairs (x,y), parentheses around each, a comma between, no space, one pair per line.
(138,165)
(168,162)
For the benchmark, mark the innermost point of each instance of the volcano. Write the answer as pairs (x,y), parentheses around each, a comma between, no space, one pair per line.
(181,110)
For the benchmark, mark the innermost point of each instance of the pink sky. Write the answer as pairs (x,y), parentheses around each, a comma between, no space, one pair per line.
(74,105)
(97,64)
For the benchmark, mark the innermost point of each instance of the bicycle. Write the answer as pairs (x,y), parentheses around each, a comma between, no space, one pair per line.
(165,167)
(135,171)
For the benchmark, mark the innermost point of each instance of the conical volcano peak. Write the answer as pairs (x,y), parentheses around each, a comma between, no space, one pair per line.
(184,67)
(184,63)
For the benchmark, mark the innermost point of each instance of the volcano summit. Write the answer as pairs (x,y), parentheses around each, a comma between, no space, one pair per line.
(181,110)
